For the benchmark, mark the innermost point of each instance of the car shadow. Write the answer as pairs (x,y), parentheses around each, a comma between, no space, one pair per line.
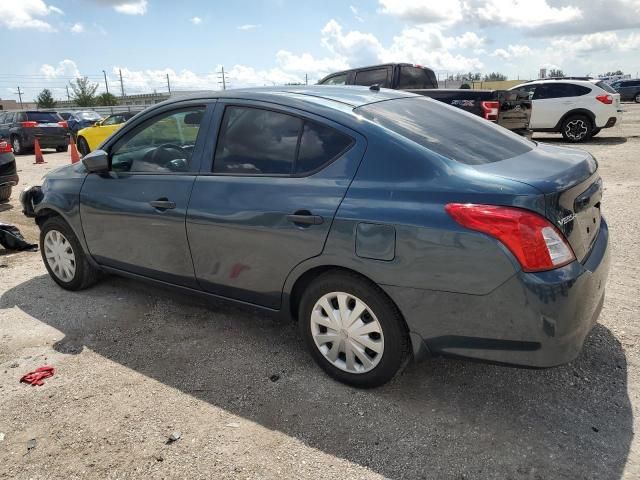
(593,141)
(442,418)
(5,207)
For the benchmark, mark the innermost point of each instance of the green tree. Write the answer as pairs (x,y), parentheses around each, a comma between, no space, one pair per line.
(45,99)
(556,72)
(83,92)
(106,99)
(494,77)
(613,74)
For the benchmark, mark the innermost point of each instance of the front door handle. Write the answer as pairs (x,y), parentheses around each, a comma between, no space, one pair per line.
(304,217)
(163,204)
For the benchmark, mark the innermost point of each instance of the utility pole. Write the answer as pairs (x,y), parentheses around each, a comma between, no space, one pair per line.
(306,79)
(20,96)
(121,84)
(168,84)
(68,96)
(106,84)
(221,75)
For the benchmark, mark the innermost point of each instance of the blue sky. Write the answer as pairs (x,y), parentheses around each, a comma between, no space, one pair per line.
(276,41)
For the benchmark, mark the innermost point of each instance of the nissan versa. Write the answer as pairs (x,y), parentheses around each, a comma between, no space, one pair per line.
(389,225)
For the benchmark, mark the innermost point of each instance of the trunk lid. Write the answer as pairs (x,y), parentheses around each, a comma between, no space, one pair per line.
(571,185)
(47,124)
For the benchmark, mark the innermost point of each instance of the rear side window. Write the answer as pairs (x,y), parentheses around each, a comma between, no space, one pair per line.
(318,146)
(415,77)
(446,130)
(377,76)
(43,117)
(254,141)
(336,80)
(559,90)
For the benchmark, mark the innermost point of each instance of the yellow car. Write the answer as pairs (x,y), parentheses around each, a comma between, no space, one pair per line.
(89,138)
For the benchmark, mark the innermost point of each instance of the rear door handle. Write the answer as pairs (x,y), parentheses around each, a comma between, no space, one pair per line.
(163,204)
(305,218)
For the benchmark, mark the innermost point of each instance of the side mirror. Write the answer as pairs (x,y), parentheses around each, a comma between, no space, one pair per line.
(98,123)
(96,161)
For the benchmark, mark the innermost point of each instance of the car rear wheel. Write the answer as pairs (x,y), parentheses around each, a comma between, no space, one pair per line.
(64,257)
(83,146)
(5,193)
(17,146)
(637,99)
(353,331)
(577,128)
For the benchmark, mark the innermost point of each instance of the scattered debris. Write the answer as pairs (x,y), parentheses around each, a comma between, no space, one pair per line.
(31,444)
(1,436)
(275,377)
(174,437)
(595,429)
(14,365)
(12,239)
(158,457)
(4,263)
(36,377)
(233,425)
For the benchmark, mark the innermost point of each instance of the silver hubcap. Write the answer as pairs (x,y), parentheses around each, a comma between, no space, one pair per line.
(16,145)
(576,129)
(347,332)
(59,255)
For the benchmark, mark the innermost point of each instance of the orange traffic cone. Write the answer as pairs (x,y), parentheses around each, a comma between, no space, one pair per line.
(75,157)
(38,152)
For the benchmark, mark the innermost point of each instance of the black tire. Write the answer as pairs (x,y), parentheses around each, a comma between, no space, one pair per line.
(577,128)
(83,146)
(62,148)
(396,351)
(5,193)
(595,131)
(85,274)
(16,144)
(637,98)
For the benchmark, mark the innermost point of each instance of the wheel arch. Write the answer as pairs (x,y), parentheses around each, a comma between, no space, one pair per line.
(577,111)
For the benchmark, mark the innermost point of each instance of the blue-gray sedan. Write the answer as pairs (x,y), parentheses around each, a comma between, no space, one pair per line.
(387,224)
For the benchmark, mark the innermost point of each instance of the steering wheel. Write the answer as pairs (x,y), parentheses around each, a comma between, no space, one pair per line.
(163,154)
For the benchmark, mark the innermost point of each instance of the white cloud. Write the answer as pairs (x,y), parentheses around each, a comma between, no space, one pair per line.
(419,11)
(362,48)
(65,68)
(16,14)
(595,42)
(138,7)
(196,20)
(524,13)
(356,14)
(512,51)
(306,63)
(248,26)
(77,28)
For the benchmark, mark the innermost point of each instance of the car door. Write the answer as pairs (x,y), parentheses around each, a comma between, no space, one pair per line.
(548,106)
(133,217)
(98,133)
(266,199)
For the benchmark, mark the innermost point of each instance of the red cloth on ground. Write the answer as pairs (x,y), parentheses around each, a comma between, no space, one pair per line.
(38,375)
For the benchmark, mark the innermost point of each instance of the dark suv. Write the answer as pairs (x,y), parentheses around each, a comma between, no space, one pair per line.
(629,90)
(22,128)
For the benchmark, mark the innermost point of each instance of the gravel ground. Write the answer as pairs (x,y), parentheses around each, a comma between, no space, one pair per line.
(135,364)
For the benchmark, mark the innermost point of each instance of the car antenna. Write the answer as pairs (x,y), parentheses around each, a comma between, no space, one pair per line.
(375,88)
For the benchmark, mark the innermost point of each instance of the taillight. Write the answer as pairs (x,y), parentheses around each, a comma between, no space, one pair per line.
(533,240)
(63,124)
(606,99)
(490,110)
(5,147)
(29,124)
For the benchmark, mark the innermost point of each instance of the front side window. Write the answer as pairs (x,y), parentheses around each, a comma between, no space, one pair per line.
(165,144)
(336,80)
(113,120)
(376,76)
(254,141)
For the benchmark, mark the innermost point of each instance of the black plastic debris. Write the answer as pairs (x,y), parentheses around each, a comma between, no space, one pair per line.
(12,239)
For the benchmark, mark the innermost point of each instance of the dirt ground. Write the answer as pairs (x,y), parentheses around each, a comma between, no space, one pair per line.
(135,364)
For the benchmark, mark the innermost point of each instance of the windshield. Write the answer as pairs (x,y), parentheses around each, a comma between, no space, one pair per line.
(88,115)
(446,130)
(43,117)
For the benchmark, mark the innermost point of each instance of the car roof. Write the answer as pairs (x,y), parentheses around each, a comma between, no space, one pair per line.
(568,80)
(351,96)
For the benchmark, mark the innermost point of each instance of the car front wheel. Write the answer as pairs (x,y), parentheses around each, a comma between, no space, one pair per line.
(83,146)
(353,330)
(64,257)
(577,128)
(16,144)
(5,193)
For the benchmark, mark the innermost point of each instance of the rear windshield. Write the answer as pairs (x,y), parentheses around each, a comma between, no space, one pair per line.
(416,78)
(446,130)
(43,117)
(606,87)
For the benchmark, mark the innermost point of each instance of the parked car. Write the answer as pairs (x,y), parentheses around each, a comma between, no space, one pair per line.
(629,90)
(81,119)
(90,137)
(21,129)
(508,109)
(579,109)
(388,224)
(8,172)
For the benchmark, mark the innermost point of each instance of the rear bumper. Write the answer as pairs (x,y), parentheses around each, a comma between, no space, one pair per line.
(46,141)
(533,319)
